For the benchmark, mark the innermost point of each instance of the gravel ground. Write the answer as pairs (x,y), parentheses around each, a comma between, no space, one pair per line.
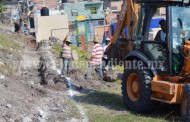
(23,98)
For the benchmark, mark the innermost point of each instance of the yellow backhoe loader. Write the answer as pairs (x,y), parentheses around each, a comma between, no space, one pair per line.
(155,71)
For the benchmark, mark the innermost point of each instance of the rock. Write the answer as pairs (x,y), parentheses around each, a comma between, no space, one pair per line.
(8,115)
(1,63)
(41,113)
(31,82)
(26,119)
(24,73)
(38,112)
(52,72)
(11,120)
(2,77)
(111,76)
(30,73)
(8,106)
(53,39)
(58,79)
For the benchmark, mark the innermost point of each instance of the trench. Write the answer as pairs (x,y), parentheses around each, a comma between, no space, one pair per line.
(49,64)
(72,92)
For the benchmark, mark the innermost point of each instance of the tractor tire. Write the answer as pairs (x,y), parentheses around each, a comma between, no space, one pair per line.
(136,91)
(185,104)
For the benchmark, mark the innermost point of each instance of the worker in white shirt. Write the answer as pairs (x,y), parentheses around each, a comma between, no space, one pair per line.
(95,61)
(106,61)
(161,34)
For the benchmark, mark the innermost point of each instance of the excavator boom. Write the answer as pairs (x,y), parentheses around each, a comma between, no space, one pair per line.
(120,44)
(127,18)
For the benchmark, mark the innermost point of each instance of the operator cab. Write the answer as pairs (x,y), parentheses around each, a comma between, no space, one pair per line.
(167,56)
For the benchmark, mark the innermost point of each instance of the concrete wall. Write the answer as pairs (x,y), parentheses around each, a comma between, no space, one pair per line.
(99,32)
(116,4)
(113,4)
(45,24)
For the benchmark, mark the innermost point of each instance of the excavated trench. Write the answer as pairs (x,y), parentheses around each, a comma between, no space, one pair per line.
(50,73)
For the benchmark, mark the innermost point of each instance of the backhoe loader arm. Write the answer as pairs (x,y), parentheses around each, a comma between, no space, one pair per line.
(120,46)
(127,18)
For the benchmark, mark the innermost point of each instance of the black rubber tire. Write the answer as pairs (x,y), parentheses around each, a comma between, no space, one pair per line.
(144,104)
(186,116)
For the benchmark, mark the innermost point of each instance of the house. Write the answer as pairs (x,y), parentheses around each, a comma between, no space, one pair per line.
(57,22)
(57,27)
(51,4)
(92,11)
(114,6)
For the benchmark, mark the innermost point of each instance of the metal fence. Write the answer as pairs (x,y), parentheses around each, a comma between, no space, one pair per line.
(60,33)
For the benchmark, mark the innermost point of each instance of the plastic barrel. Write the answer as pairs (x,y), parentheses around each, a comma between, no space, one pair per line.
(31,23)
(44,11)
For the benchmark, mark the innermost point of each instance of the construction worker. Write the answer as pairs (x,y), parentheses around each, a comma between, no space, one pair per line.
(67,56)
(17,27)
(105,57)
(95,61)
(161,34)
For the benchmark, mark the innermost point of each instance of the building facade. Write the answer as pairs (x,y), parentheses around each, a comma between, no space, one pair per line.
(51,4)
(113,4)
(91,10)
(115,8)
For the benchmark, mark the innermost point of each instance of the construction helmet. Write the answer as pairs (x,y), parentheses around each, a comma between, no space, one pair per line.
(95,39)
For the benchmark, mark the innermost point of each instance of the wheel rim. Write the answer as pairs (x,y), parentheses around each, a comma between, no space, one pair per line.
(133,87)
(185,104)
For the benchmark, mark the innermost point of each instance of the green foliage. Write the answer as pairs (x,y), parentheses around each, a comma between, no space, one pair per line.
(107,106)
(2,8)
(4,1)
(82,54)
(2,67)
(57,49)
(8,42)
(11,47)
(72,113)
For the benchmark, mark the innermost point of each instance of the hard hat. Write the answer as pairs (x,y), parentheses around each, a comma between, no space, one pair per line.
(107,39)
(95,39)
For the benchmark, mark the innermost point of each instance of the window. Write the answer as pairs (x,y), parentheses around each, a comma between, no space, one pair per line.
(155,26)
(180,31)
(93,10)
(74,12)
(64,1)
(100,23)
